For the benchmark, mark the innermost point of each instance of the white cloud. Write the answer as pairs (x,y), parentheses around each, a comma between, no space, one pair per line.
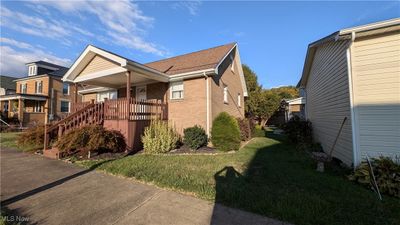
(14,54)
(191,6)
(125,24)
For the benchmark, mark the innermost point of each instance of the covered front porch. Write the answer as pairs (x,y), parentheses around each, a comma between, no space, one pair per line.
(118,93)
(25,109)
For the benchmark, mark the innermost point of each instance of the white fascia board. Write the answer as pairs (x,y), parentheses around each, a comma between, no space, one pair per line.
(241,74)
(194,74)
(226,55)
(371,26)
(99,74)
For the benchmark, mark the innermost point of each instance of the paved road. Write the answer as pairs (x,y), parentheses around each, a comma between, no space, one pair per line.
(49,191)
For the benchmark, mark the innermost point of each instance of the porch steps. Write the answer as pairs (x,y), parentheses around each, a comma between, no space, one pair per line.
(52,153)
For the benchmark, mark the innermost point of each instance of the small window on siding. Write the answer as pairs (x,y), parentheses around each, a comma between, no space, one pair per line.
(39,87)
(239,100)
(64,106)
(226,94)
(65,89)
(176,90)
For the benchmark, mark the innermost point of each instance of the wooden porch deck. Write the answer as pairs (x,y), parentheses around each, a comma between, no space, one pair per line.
(126,115)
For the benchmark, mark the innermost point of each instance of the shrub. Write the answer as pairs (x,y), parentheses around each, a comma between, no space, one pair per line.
(245,129)
(225,133)
(92,138)
(298,131)
(387,175)
(159,137)
(32,137)
(195,137)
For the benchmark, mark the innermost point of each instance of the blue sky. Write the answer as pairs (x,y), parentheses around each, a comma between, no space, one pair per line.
(272,36)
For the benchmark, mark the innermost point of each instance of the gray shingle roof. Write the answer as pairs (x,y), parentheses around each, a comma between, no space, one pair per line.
(7,82)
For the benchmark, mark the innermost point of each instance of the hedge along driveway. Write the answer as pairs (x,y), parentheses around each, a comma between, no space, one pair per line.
(268,177)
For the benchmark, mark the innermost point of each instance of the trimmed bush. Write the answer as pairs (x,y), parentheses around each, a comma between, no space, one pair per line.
(159,137)
(387,175)
(225,133)
(93,138)
(298,131)
(32,137)
(245,129)
(195,137)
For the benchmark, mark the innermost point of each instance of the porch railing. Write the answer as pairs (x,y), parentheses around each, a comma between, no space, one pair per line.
(120,109)
(92,113)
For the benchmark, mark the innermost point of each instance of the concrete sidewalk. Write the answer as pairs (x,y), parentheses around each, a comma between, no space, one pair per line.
(48,191)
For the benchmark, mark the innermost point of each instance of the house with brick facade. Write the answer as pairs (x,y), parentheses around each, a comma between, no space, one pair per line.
(122,94)
(40,97)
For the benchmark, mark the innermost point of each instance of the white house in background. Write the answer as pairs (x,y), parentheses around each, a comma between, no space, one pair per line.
(295,107)
(354,73)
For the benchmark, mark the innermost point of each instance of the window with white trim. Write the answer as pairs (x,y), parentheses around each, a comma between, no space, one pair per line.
(176,90)
(225,94)
(65,105)
(106,95)
(65,88)
(32,70)
(239,100)
(38,87)
(22,88)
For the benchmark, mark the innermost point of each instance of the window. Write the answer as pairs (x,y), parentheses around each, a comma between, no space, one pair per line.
(106,94)
(239,101)
(65,106)
(38,107)
(176,90)
(39,86)
(65,89)
(32,70)
(226,94)
(22,88)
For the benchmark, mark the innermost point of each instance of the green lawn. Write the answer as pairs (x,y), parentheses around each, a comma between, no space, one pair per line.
(8,140)
(268,177)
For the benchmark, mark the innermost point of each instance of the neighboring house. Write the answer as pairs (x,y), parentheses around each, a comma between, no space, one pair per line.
(7,87)
(41,96)
(294,107)
(354,73)
(187,90)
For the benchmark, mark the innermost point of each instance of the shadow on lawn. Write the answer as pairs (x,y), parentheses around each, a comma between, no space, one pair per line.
(247,190)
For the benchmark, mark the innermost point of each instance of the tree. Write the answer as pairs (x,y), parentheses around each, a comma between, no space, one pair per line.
(286,92)
(261,104)
(251,79)
(268,103)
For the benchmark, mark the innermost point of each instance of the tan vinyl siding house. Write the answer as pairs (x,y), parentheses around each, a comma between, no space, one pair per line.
(328,99)
(355,73)
(376,89)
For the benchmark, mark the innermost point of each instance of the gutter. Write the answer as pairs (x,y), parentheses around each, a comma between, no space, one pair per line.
(207,105)
(352,109)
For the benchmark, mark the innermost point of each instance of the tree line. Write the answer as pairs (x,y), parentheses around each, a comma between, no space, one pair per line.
(262,103)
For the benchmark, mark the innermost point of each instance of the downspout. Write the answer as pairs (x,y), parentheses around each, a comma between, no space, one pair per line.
(352,109)
(207,105)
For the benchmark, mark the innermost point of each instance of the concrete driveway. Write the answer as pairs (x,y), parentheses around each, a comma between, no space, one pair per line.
(46,191)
